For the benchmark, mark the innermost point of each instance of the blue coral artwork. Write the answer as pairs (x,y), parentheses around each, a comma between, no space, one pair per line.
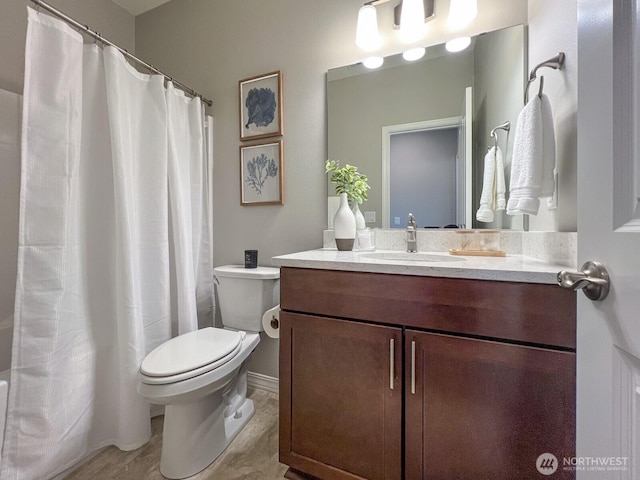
(261,174)
(261,106)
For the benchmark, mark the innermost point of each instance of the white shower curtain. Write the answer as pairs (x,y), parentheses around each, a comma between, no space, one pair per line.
(109,156)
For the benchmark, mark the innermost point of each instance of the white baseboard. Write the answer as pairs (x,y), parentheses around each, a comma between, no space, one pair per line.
(264,382)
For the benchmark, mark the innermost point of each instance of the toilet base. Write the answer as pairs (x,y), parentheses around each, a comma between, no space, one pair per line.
(195,435)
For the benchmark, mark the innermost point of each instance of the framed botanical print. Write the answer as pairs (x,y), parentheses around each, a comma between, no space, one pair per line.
(261,176)
(261,106)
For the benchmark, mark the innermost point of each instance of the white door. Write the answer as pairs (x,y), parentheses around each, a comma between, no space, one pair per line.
(608,343)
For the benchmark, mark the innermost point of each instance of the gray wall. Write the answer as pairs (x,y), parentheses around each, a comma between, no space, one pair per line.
(211,45)
(10,115)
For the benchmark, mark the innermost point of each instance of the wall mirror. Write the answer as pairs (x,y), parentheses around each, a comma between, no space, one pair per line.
(420,130)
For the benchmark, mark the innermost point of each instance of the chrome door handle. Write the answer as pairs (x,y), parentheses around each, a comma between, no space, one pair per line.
(593,280)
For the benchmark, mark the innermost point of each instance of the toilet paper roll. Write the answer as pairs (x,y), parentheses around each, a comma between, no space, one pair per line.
(271,322)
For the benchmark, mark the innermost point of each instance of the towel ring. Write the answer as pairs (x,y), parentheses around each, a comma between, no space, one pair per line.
(541,86)
(504,126)
(556,63)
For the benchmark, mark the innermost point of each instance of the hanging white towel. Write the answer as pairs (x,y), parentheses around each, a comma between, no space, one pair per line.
(501,203)
(548,149)
(534,158)
(493,186)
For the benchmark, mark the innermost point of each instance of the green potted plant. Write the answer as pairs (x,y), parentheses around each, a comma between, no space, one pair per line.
(348,180)
(352,187)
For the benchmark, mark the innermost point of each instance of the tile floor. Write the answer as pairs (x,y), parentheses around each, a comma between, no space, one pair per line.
(253,455)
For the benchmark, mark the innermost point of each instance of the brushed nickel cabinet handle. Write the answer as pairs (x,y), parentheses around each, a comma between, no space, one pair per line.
(413,367)
(392,356)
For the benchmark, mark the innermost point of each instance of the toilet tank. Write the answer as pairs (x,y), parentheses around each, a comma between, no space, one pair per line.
(244,294)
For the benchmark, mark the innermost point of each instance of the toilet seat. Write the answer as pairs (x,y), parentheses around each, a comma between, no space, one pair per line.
(189,355)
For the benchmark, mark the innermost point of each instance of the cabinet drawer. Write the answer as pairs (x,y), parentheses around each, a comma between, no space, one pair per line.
(532,313)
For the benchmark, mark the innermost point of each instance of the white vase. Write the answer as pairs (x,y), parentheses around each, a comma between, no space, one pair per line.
(360,224)
(344,225)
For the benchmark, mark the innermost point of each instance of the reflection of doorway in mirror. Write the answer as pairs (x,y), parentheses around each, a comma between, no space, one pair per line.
(423,177)
(423,170)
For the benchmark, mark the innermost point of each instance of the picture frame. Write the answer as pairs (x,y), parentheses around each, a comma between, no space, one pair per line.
(261,174)
(261,106)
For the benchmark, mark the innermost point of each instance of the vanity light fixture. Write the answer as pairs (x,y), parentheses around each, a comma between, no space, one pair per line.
(367,35)
(410,17)
(462,13)
(458,44)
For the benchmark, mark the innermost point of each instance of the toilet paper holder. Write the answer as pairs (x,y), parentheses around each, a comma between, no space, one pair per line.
(271,322)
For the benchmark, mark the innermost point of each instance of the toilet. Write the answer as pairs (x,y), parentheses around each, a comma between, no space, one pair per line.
(201,376)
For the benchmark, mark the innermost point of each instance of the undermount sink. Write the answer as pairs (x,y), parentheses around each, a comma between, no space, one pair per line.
(410,257)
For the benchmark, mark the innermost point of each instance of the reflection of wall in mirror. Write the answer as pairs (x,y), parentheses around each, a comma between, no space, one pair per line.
(497,98)
(359,106)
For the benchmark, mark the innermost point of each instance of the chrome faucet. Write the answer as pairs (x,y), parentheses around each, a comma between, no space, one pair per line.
(412,227)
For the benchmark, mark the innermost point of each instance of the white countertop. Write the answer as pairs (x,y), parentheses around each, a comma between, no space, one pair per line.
(512,268)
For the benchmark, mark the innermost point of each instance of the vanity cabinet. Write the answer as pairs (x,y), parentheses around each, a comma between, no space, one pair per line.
(409,377)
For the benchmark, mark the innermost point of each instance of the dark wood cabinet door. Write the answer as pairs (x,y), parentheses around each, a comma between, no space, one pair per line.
(486,410)
(340,398)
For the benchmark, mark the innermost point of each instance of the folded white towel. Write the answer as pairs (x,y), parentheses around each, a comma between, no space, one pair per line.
(493,186)
(533,158)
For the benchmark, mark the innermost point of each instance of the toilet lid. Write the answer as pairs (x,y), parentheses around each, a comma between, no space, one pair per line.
(190,351)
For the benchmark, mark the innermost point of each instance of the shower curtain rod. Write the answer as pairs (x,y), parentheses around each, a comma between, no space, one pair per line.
(100,38)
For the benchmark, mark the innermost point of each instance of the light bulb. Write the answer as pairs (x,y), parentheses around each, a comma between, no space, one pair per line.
(412,20)
(367,36)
